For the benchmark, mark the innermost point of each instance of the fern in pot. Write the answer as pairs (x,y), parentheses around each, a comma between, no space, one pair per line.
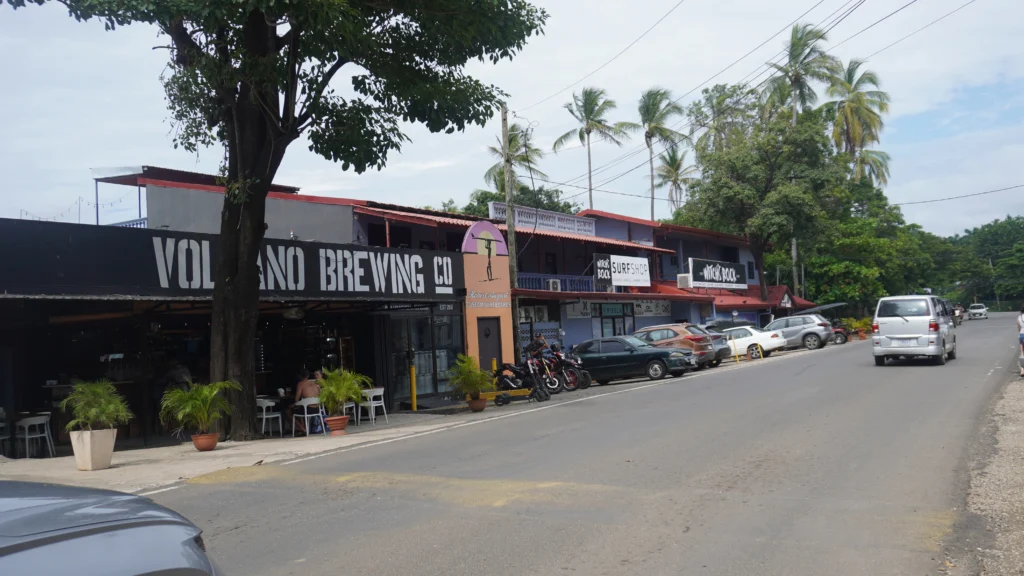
(339,387)
(96,409)
(197,407)
(468,379)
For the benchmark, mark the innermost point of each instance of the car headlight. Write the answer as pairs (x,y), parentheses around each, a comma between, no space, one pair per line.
(677,355)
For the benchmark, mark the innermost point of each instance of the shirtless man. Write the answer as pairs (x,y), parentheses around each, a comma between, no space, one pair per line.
(306,388)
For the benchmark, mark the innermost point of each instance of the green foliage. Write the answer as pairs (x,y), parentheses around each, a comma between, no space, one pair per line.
(590,109)
(723,115)
(525,155)
(805,60)
(856,108)
(95,405)
(467,378)
(196,407)
(672,171)
(543,198)
(339,387)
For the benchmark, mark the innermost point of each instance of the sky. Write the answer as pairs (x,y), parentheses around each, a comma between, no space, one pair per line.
(78,98)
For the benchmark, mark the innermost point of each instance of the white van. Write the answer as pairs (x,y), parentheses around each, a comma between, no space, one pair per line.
(912,326)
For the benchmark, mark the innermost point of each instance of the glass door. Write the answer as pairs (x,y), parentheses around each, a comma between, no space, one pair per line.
(399,350)
(412,340)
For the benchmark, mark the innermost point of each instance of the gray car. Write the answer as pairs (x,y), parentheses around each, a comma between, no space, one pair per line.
(812,331)
(54,529)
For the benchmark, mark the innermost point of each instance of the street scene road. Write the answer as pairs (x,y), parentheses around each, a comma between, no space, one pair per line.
(812,463)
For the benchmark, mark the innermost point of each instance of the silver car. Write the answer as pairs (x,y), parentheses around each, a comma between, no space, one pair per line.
(54,529)
(811,331)
(977,312)
(912,326)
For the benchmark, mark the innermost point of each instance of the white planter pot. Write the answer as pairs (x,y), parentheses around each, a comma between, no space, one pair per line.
(93,448)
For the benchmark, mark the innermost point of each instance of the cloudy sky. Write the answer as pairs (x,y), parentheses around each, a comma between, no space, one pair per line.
(78,98)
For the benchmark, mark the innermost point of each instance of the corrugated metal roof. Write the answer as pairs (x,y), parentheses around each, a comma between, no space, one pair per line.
(591,239)
(413,217)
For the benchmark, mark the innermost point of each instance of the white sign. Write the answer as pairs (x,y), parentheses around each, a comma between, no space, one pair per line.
(578,310)
(652,308)
(529,218)
(630,271)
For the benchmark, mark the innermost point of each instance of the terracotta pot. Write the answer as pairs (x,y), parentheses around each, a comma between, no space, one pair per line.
(93,448)
(477,405)
(337,425)
(863,335)
(205,442)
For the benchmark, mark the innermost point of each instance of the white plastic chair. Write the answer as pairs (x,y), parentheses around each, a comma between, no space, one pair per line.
(265,414)
(30,429)
(308,414)
(374,398)
(355,411)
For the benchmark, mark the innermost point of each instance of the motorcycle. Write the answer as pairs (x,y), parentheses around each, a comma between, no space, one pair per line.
(546,377)
(958,317)
(570,369)
(511,377)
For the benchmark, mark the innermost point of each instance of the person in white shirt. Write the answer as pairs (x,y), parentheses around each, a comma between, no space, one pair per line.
(1020,336)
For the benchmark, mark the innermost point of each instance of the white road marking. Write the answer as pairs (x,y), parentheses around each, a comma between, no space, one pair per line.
(705,372)
(150,493)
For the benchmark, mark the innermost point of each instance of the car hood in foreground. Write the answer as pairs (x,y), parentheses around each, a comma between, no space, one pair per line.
(28,509)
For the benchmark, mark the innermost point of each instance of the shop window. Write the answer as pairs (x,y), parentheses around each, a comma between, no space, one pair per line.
(452,241)
(401,236)
(550,263)
(730,254)
(376,234)
(750,271)
(448,345)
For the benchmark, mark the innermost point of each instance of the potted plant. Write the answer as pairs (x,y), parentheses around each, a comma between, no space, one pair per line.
(197,407)
(96,408)
(863,327)
(337,388)
(467,378)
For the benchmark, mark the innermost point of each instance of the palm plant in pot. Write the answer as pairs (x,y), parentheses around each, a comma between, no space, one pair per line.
(338,388)
(197,407)
(467,378)
(96,408)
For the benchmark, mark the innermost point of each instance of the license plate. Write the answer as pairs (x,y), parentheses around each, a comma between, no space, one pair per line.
(904,342)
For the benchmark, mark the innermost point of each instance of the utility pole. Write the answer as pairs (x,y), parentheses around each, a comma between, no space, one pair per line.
(97,189)
(796,269)
(510,223)
(994,287)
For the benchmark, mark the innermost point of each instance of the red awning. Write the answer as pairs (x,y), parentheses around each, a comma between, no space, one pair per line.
(548,295)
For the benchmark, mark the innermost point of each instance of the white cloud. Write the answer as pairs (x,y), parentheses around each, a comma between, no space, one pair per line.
(85,98)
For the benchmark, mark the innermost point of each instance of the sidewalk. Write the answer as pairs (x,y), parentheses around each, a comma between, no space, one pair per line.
(148,468)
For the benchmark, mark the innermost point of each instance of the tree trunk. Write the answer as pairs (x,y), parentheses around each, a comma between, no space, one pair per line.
(650,150)
(796,269)
(590,175)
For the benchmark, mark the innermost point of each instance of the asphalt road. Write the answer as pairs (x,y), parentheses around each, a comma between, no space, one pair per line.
(815,463)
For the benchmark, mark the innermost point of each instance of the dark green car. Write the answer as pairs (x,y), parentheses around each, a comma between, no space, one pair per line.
(628,357)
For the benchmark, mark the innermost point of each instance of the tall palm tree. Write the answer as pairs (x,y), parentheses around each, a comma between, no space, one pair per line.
(856,107)
(674,173)
(805,61)
(873,165)
(656,109)
(589,108)
(524,155)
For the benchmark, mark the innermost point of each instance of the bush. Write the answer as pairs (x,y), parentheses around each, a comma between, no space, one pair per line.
(198,406)
(341,386)
(96,405)
(467,377)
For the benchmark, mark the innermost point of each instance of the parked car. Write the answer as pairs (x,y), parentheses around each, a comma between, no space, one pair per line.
(977,312)
(812,331)
(718,340)
(744,341)
(626,357)
(912,326)
(54,529)
(680,336)
(723,324)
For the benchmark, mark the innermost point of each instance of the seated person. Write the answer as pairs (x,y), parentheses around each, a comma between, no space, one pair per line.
(306,388)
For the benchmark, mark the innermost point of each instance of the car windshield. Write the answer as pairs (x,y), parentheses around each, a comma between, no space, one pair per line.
(898,308)
(635,342)
(977,306)
(697,330)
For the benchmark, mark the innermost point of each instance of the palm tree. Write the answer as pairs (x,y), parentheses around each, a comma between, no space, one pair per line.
(674,173)
(805,61)
(857,109)
(524,154)
(589,108)
(656,108)
(873,165)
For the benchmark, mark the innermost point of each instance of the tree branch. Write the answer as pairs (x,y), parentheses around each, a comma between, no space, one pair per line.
(314,97)
(291,90)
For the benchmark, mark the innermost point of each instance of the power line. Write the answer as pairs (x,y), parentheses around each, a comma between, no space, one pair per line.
(887,16)
(943,17)
(613,58)
(959,197)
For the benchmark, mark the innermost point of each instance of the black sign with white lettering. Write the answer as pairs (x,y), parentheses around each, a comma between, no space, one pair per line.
(55,259)
(714,274)
(602,272)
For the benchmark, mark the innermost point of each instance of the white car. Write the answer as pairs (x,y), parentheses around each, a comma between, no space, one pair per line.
(744,340)
(977,311)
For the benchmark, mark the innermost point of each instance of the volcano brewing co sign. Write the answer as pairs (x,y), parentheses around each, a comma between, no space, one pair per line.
(713,274)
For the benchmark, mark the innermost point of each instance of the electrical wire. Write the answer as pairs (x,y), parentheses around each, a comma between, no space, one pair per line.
(943,17)
(613,58)
(958,197)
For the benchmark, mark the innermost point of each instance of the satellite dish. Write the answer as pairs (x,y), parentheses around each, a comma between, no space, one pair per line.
(294,313)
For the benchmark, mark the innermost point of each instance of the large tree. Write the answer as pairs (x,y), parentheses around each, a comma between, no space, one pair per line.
(524,154)
(857,105)
(256,75)
(804,61)
(656,109)
(766,186)
(590,109)
(543,198)
(722,115)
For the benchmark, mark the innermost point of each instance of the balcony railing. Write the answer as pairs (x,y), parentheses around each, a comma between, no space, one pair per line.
(567,283)
(137,223)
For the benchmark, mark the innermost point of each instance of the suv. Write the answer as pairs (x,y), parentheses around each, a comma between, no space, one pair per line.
(977,311)
(680,336)
(912,326)
(812,331)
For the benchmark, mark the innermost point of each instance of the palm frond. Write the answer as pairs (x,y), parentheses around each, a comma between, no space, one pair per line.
(198,406)
(95,405)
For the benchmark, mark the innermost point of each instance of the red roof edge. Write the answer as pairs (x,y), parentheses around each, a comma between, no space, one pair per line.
(547,295)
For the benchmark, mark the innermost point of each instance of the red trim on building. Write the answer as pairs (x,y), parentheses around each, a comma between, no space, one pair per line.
(276,195)
(548,295)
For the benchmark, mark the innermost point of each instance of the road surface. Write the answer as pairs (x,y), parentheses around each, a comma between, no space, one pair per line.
(815,463)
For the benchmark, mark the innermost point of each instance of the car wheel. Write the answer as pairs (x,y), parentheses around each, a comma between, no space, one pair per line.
(602,382)
(840,338)
(753,352)
(952,353)
(716,363)
(879,360)
(656,370)
(940,360)
(812,342)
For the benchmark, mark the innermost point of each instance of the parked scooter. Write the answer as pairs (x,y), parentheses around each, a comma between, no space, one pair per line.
(543,367)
